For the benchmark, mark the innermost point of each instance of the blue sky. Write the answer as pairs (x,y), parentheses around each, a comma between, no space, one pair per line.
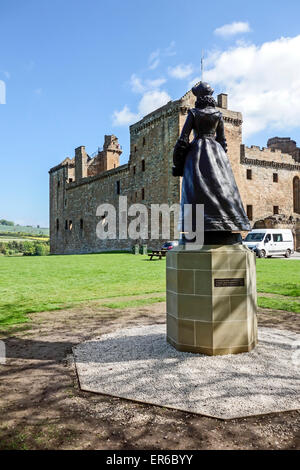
(73,70)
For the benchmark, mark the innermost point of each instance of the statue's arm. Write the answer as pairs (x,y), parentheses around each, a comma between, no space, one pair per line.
(220,134)
(187,128)
(182,146)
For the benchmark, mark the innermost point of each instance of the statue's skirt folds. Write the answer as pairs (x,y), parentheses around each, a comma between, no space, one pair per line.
(208,180)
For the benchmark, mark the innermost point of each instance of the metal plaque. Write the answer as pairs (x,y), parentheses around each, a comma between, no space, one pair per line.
(230,282)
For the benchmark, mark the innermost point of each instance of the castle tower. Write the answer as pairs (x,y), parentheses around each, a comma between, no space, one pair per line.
(80,163)
(111,152)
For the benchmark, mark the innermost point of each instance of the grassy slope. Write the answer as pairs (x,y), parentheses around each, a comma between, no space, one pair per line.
(33,284)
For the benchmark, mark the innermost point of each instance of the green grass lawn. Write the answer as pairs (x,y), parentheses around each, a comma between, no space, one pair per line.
(43,283)
(40,283)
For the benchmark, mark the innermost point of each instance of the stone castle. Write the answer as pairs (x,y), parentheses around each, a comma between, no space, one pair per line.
(268,178)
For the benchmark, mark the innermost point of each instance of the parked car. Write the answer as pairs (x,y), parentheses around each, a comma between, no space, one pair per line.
(268,242)
(169,245)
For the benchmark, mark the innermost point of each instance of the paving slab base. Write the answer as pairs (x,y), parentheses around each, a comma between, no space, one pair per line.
(139,364)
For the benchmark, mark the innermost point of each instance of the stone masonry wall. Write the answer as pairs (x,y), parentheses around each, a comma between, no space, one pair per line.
(147,178)
(262,192)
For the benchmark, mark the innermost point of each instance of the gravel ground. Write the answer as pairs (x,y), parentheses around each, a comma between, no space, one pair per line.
(138,364)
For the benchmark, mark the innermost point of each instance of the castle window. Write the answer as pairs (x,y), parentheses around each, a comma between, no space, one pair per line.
(250,212)
(57,225)
(134,170)
(135,196)
(143,194)
(135,149)
(143,165)
(275,177)
(70,180)
(118,187)
(249,174)
(58,184)
(275,210)
(144,141)
(296,194)
(81,224)
(66,202)
(66,225)
(70,225)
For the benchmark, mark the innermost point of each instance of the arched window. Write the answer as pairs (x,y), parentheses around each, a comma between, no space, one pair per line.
(296,194)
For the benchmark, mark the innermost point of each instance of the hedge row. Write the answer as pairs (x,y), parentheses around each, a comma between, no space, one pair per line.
(25,248)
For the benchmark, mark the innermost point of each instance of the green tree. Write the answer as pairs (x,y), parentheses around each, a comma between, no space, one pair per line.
(6,222)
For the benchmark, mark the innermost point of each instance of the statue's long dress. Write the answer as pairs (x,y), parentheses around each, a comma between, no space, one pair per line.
(207,174)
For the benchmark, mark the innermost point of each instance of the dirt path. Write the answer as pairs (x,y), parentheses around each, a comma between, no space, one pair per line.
(41,406)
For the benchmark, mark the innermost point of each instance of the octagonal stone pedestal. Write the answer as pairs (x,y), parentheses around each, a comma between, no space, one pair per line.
(211,299)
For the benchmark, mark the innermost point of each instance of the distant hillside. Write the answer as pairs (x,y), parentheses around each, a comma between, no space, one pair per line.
(24,229)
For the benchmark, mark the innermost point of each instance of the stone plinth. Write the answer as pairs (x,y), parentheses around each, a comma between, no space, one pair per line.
(211,299)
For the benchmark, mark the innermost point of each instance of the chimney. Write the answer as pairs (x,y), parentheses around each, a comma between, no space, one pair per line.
(222,100)
(80,163)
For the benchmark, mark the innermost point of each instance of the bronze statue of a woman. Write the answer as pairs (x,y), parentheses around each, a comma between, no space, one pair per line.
(207,174)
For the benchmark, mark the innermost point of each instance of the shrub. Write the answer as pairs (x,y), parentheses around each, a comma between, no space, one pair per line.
(41,249)
(27,248)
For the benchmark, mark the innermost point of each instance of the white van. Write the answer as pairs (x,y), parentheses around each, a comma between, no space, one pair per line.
(268,242)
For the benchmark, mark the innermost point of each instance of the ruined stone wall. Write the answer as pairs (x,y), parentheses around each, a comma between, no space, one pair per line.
(264,191)
(106,159)
(58,201)
(78,202)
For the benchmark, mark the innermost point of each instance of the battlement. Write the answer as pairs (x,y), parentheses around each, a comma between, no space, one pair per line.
(268,157)
(269,153)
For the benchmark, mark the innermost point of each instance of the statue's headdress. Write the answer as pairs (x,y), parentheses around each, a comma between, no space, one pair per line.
(202,89)
(203,92)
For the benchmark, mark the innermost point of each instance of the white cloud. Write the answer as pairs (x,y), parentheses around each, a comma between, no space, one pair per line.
(140,86)
(181,71)
(38,91)
(2,92)
(136,84)
(170,50)
(231,29)
(156,83)
(150,101)
(262,82)
(152,96)
(124,117)
(155,56)
(154,60)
